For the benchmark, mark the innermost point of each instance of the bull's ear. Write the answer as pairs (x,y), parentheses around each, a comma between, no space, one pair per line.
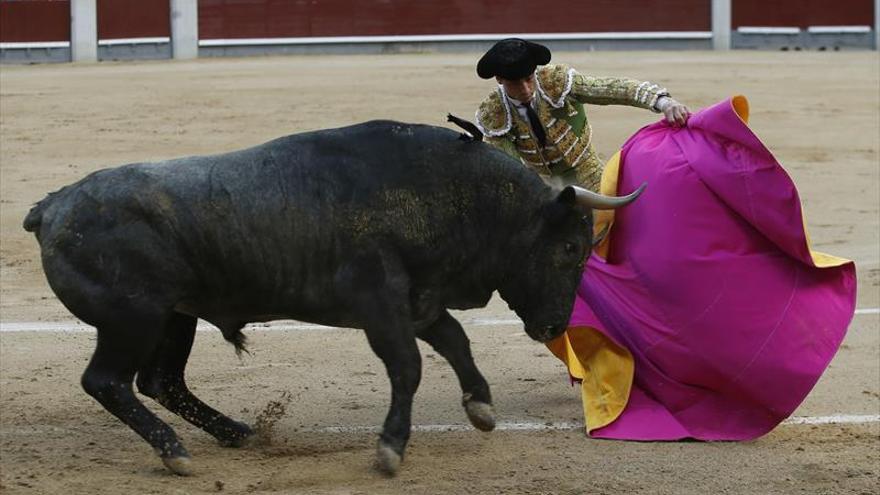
(555,211)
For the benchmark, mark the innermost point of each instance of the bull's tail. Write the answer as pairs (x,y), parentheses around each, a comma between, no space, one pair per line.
(34,218)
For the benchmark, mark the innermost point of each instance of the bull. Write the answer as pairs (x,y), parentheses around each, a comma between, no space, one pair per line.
(382,226)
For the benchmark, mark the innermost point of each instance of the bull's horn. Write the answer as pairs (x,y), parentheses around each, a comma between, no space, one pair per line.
(590,199)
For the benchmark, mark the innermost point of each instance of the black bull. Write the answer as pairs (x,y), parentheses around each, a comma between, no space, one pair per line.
(381,226)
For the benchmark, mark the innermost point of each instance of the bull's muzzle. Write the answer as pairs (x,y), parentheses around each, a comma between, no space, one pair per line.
(546,333)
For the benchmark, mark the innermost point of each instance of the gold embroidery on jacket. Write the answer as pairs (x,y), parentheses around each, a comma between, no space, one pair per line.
(568,153)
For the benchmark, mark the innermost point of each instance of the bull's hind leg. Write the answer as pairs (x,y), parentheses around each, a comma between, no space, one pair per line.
(108,378)
(448,338)
(162,379)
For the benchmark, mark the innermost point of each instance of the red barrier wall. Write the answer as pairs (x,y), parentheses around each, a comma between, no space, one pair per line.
(34,20)
(280,18)
(49,20)
(802,13)
(133,19)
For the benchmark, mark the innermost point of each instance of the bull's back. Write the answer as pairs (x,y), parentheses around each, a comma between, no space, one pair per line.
(354,167)
(285,212)
(378,180)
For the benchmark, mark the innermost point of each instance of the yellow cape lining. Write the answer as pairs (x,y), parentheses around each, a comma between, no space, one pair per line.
(604,368)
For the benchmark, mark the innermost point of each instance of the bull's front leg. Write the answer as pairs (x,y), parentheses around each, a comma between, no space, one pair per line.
(398,350)
(449,340)
(379,287)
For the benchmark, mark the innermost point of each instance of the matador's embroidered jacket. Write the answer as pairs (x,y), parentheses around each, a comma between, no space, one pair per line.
(561,93)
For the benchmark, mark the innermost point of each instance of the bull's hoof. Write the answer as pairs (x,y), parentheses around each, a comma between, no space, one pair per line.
(244,437)
(387,460)
(181,466)
(481,415)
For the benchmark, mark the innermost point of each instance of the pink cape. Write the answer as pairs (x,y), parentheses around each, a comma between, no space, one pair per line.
(711,285)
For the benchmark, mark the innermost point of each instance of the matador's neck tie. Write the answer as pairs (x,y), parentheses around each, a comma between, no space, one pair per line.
(537,128)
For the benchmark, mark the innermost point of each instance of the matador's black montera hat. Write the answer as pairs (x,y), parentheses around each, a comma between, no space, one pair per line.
(512,58)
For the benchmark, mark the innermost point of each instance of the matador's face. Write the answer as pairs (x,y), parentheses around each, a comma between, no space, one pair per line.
(519,89)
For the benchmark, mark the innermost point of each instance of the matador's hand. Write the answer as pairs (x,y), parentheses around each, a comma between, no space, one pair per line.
(676,113)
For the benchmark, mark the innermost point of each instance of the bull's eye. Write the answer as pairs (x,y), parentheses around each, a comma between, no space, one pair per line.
(570,248)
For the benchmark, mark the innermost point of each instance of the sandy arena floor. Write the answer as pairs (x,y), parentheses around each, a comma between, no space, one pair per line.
(818,112)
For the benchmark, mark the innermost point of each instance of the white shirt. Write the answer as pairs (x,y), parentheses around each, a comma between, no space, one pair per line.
(521,108)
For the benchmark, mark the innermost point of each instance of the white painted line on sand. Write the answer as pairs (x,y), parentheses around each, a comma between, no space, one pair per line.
(501,426)
(839,419)
(75,326)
